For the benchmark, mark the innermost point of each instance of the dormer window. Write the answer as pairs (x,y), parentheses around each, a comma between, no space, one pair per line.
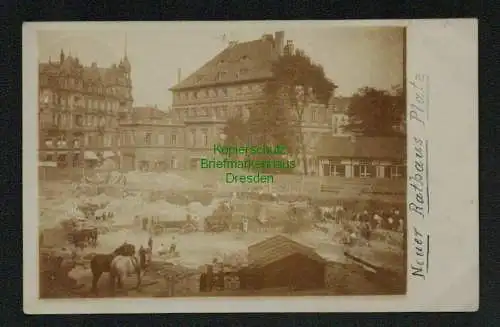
(244,58)
(220,75)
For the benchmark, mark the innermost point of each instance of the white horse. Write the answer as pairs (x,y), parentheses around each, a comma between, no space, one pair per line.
(123,266)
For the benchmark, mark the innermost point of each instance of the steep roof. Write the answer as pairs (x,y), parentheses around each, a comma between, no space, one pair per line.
(279,247)
(362,147)
(150,115)
(112,75)
(239,62)
(148,112)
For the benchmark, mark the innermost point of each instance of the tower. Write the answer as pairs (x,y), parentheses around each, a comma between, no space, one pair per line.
(125,64)
(126,69)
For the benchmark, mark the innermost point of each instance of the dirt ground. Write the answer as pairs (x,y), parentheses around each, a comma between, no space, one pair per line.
(198,248)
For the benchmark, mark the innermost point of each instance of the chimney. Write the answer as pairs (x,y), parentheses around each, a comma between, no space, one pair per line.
(178,75)
(279,42)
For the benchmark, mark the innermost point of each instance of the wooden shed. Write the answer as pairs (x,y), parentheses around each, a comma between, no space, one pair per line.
(281,262)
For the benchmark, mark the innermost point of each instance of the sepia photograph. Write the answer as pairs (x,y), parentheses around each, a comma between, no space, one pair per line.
(221,162)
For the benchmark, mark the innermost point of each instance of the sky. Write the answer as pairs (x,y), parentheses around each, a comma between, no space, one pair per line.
(352,57)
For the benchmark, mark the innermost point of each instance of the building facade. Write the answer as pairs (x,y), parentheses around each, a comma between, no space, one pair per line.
(362,157)
(79,110)
(319,120)
(151,140)
(232,83)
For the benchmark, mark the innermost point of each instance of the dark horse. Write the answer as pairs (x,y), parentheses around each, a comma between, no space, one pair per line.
(101,263)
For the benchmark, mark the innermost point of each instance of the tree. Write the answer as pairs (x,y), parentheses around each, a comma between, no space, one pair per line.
(277,118)
(374,112)
(297,82)
(236,131)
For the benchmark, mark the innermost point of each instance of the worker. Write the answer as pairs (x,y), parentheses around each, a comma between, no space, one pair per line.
(173,245)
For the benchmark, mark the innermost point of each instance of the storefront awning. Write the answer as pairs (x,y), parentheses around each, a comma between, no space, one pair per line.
(108,154)
(89,155)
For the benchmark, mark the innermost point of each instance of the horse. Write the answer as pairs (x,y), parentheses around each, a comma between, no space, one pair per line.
(101,263)
(123,266)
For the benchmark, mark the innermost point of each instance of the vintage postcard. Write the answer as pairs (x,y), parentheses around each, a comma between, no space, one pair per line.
(250,166)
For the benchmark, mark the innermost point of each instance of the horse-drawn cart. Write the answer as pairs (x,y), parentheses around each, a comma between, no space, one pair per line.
(185,226)
(220,220)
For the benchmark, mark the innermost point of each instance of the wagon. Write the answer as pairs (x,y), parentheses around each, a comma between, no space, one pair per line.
(161,226)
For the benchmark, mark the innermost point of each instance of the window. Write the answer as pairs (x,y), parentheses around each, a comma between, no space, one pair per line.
(173,162)
(147,138)
(363,169)
(314,115)
(336,169)
(173,139)
(79,121)
(55,119)
(243,71)
(205,138)
(161,139)
(61,161)
(108,140)
(76,160)
(76,143)
(131,138)
(397,171)
(193,138)
(224,91)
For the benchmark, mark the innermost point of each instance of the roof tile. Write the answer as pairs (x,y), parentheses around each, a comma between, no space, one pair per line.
(279,247)
(240,62)
(362,147)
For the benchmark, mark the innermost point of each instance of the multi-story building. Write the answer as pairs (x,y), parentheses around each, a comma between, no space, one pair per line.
(340,118)
(232,83)
(79,109)
(151,140)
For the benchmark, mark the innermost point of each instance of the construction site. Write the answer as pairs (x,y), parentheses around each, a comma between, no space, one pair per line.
(206,238)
